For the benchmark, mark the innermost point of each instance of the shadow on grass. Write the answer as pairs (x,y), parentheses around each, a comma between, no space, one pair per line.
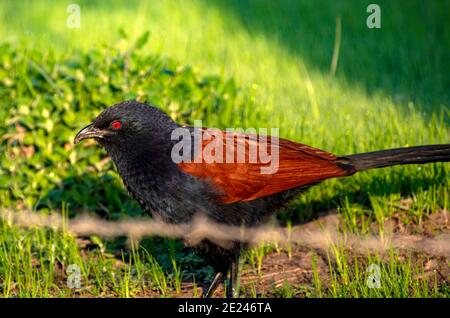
(384,183)
(406,59)
(102,195)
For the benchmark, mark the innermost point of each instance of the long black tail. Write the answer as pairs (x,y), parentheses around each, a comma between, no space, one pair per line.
(392,157)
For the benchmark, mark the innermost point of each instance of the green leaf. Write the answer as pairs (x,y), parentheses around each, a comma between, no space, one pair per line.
(142,40)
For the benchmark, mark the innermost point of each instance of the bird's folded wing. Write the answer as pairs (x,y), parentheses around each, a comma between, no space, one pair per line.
(266,167)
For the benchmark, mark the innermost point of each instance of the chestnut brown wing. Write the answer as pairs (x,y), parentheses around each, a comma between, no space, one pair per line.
(244,180)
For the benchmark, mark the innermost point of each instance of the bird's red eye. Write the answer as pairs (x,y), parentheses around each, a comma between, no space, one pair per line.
(116,125)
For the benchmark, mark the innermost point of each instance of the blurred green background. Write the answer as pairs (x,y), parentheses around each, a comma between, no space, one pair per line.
(255,63)
(230,63)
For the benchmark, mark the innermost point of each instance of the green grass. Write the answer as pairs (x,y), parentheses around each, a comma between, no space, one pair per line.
(231,64)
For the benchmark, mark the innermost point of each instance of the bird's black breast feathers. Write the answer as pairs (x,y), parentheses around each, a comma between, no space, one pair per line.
(163,190)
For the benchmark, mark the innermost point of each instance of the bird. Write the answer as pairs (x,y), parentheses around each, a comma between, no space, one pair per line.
(139,138)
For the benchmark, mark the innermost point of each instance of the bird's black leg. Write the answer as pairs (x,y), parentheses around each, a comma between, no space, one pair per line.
(207,293)
(233,286)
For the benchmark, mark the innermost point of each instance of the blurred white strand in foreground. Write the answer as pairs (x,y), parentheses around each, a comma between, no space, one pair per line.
(320,234)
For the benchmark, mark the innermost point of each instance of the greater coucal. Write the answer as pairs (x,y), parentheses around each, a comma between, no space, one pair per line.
(138,138)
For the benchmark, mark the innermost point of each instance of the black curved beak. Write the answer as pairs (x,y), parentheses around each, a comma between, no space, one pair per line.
(88,132)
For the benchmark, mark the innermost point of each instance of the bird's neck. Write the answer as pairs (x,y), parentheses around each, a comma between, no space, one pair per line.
(146,171)
(143,158)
